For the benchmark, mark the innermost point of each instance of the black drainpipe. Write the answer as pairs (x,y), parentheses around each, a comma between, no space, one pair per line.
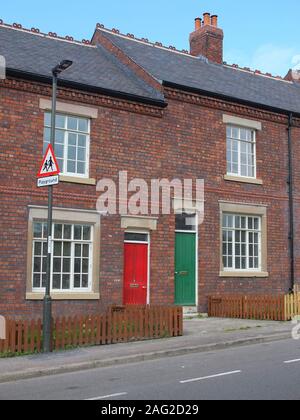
(291,202)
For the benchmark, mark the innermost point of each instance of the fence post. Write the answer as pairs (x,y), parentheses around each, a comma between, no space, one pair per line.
(2,328)
(3,334)
(181,321)
(283,312)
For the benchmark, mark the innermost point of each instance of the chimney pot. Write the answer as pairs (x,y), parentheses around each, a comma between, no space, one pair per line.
(198,23)
(214,21)
(206,18)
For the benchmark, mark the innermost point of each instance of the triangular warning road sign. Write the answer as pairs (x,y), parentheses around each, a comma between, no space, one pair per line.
(49,166)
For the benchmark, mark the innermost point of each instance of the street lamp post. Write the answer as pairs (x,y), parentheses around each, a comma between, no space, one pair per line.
(47,310)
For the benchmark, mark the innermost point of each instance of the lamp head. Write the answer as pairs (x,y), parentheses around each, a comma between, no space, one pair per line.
(62,66)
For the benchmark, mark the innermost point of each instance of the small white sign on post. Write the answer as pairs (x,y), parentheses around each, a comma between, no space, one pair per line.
(47,182)
(2,328)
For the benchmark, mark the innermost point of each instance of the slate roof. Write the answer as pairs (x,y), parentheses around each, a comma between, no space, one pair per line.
(96,68)
(93,66)
(191,72)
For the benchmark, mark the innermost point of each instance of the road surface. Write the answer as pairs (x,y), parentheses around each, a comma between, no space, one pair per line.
(264,371)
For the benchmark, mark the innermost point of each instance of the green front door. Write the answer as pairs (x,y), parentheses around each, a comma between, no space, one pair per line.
(185,269)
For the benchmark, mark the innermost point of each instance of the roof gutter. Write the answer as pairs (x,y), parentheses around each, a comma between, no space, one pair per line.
(227,98)
(87,88)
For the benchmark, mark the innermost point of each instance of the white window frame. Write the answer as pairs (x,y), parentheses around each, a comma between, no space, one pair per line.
(240,141)
(247,243)
(72,289)
(66,132)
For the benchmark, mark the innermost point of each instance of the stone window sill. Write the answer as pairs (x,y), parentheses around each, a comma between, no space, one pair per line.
(244,274)
(243,179)
(64,296)
(77,180)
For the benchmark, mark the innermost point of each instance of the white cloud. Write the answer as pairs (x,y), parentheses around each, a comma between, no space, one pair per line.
(268,58)
(273,59)
(296,62)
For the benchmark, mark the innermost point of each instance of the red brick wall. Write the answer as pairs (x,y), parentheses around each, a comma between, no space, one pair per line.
(200,142)
(189,141)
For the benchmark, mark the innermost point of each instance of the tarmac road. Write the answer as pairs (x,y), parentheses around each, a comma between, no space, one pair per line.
(262,371)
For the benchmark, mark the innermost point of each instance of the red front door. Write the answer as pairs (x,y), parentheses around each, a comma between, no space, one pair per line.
(135,274)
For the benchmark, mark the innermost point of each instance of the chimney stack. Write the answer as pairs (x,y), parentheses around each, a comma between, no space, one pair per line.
(293,76)
(207,39)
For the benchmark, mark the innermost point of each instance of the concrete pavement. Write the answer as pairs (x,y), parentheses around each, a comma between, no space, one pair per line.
(200,335)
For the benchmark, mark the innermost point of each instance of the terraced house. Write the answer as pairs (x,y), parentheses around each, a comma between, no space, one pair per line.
(127,104)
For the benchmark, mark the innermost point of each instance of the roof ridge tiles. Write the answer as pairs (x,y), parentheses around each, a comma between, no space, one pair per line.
(143,40)
(50,35)
(255,72)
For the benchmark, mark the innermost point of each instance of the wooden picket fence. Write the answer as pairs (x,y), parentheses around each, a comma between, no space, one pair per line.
(261,307)
(118,325)
(296,289)
(292,305)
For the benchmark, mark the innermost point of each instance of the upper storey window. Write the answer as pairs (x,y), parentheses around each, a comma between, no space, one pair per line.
(241,151)
(72,142)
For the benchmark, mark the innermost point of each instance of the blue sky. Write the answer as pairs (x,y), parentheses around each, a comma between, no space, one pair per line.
(261,34)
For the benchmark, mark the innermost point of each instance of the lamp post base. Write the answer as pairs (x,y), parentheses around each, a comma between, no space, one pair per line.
(47,320)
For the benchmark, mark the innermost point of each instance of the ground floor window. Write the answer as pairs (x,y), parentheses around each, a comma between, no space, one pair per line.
(71,258)
(241,242)
(75,263)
